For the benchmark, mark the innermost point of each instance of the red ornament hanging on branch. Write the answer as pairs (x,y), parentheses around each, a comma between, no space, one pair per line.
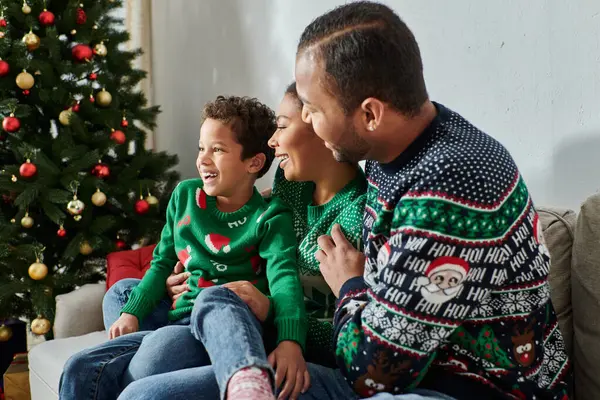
(120,244)
(101,170)
(76,107)
(27,169)
(142,206)
(93,76)
(118,137)
(46,18)
(11,124)
(61,232)
(82,53)
(124,123)
(81,17)
(2,22)
(4,68)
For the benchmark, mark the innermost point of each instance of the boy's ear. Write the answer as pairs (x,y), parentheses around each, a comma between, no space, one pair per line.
(257,163)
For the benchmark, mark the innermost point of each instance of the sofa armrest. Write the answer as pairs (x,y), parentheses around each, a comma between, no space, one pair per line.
(80,311)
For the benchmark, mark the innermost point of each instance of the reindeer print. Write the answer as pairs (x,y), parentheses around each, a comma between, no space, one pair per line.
(523,344)
(380,376)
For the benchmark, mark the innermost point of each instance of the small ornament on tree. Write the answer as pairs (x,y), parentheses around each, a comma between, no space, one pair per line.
(4,68)
(46,18)
(25,80)
(13,178)
(120,244)
(100,50)
(76,107)
(103,98)
(26,221)
(26,9)
(32,41)
(152,200)
(75,207)
(27,169)
(61,232)
(26,92)
(5,333)
(85,248)
(40,325)
(11,123)
(118,137)
(124,122)
(82,53)
(81,16)
(101,170)
(65,117)
(93,76)
(142,206)
(2,22)
(38,270)
(99,198)
(92,99)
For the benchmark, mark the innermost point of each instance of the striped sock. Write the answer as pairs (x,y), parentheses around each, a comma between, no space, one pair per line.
(250,383)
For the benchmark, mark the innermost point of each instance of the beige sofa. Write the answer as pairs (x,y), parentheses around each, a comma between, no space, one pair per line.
(574,243)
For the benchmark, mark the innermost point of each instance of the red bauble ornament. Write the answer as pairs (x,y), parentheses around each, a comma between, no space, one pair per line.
(118,137)
(11,124)
(27,169)
(124,123)
(46,18)
(3,23)
(76,107)
(120,244)
(101,171)
(142,206)
(92,99)
(62,232)
(26,92)
(4,68)
(81,17)
(82,52)
(93,76)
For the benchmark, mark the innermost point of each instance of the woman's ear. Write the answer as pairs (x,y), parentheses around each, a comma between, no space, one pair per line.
(256,163)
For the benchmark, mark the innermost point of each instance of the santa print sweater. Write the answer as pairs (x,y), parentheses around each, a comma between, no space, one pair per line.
(311,221)
(255,243)
(455,293)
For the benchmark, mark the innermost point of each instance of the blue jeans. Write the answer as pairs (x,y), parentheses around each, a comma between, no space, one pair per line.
(221,328)
(201,384)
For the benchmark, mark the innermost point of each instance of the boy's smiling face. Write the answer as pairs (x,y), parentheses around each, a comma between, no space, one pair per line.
(219,161)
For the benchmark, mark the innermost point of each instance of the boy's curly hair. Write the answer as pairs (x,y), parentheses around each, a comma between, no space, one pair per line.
(252,121)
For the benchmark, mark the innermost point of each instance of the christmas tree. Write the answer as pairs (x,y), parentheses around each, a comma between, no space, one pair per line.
(76,180)
(485,346)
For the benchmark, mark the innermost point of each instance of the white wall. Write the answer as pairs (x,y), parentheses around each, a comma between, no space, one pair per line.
(528,73)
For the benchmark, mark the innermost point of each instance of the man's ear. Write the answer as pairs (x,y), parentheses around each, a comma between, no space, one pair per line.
(372,113)
(256,163)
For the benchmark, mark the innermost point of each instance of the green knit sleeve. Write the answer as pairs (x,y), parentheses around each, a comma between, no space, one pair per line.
(351,221)
(278,249)
(151,290)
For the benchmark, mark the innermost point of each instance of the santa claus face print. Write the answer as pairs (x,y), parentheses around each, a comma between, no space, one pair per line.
(446,279)
(443,279)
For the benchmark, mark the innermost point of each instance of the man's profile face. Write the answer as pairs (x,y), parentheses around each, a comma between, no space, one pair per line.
(324,112)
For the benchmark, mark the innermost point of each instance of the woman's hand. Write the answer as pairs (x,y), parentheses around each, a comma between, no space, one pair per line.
(177,282)
(290,366)
(126,323)
(257,302)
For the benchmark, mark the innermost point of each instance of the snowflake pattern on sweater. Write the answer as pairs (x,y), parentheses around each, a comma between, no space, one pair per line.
(456,276)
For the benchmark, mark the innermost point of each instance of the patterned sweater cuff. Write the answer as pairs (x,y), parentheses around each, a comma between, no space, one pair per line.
(355,284)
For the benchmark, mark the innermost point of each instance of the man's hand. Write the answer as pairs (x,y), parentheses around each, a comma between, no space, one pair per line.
(177,282)
(339,260)
(126,323)
(290,366)
(257,302)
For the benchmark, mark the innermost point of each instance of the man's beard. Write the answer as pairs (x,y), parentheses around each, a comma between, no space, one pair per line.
(355,151)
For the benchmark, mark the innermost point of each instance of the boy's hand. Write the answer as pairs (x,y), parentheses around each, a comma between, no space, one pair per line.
(177,282)
(257,302)
(126,323)
(290,366)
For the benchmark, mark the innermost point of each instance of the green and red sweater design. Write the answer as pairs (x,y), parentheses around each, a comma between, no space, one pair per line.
(255,243)
(455,295)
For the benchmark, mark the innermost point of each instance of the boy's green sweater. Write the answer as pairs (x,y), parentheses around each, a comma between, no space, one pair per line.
(255,243)
(347,209)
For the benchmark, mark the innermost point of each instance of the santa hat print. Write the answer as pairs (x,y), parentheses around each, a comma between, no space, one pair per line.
(537,229)
(185,256)
(383,257)
(448,264)
(216,242)
(201,198)
(204,283)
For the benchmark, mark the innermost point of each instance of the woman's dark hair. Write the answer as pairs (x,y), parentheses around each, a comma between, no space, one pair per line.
(292,91)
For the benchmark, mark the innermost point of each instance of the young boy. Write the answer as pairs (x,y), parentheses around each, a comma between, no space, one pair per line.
(220,228)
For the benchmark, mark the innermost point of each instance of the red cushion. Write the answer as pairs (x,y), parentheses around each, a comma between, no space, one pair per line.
(128,264)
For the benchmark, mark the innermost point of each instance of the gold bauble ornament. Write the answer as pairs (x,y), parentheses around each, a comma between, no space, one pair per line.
(103,98)
(40,325)
(25,80)
(85,248)
(2,35)
(26,221)
(14,178)
(74,32)
(100,49)
(75,206)
(152,200)
(32,41)
(26,9)
(99,198)
(38,271)
(5,333)
(65,117)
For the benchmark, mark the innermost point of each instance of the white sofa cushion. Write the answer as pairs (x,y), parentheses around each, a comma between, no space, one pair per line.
(46,362)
